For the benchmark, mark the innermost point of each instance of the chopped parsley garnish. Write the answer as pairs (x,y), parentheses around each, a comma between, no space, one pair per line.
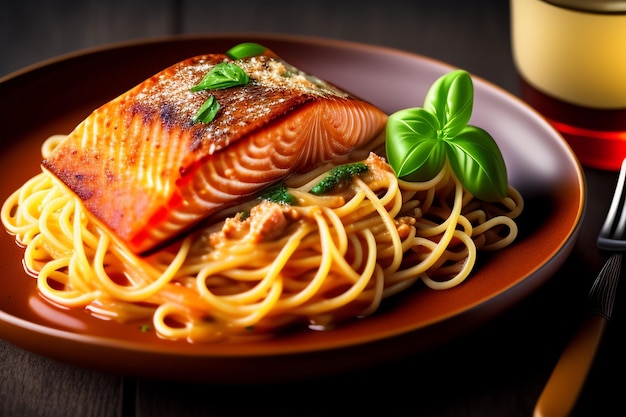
(279,194)
(337,175)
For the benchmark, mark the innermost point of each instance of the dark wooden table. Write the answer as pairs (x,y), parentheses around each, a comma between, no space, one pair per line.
(499,370)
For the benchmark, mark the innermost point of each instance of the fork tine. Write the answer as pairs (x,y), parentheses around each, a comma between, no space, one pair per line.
(618,233)
(614,228)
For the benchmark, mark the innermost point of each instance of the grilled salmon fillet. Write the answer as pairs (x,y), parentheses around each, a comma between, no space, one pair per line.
(143,168)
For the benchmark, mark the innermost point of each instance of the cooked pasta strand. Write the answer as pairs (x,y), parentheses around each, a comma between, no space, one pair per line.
(327,259)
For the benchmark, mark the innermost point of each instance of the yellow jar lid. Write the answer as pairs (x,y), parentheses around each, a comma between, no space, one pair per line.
(597,6)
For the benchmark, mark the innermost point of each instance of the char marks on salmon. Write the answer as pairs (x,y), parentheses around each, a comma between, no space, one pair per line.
(146,171)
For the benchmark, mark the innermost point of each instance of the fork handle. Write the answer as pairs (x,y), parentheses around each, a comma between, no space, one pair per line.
(562,389)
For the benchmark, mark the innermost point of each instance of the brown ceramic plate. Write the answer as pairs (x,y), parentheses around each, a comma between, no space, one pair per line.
(54,96)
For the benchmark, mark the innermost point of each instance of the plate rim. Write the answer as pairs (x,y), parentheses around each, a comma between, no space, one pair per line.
(563,249)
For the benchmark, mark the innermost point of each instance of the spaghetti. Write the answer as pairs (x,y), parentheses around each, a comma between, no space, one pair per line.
(326,259)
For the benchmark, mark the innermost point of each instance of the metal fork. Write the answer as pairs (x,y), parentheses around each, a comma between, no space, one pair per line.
(561,392)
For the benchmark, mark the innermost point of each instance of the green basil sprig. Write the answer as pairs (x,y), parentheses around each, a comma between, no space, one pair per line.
(222,75)
(207,111)
(245,50)
(420,140)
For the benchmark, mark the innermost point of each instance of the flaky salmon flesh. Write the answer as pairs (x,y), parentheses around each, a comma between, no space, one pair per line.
(145,170)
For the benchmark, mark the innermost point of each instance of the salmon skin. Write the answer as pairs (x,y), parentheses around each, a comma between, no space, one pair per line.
(142,166)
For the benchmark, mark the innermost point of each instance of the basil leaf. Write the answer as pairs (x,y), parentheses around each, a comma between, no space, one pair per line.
(222,75)
(478,164)
(207,111)
(245,50)
(424,161)
(413,147)
(420,140)
(451,99)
